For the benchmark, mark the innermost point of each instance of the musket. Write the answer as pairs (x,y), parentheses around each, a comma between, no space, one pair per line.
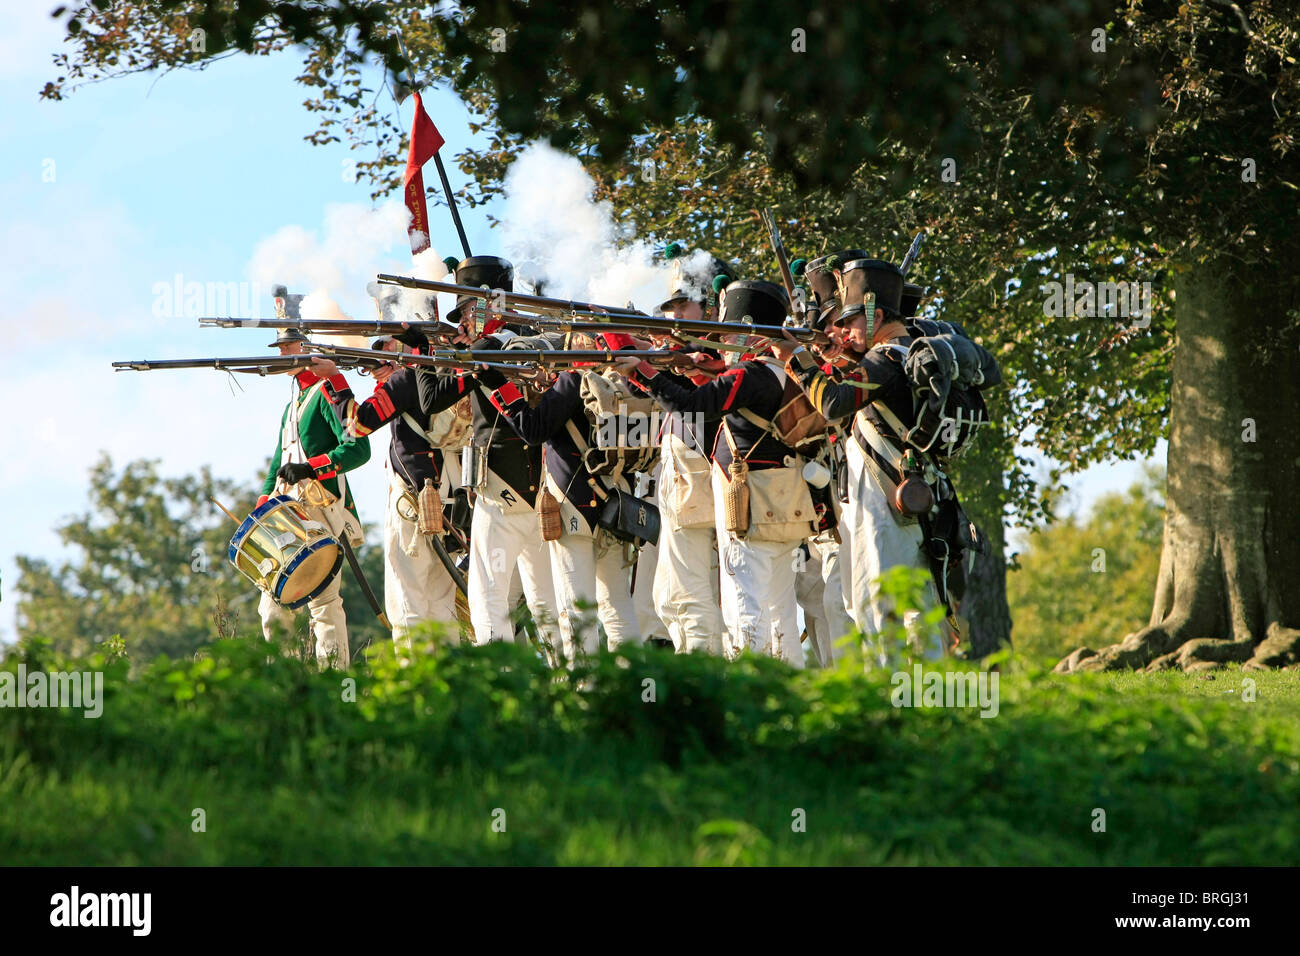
(432,328)
(536,303)
(255,364)
(649,325)
(597,318)
(782,259)
(506,359)
(692,328)
(912,251)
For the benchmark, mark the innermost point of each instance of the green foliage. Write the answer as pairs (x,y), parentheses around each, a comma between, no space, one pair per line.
(289,770)
(150,572)
(1086,580)
(603,73)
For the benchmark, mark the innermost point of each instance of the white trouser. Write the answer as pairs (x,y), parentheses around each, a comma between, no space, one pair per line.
(881,543)
(810,593)
(416,585)
(500,545)
(686,594)
(686,588)
(830,554)
(329,625)
(648,620)
(757,581)
(590,568)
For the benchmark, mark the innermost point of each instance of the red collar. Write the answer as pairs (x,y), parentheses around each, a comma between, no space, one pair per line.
(306,379)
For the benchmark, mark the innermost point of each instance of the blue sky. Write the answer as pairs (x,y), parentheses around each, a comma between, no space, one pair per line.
(205,174)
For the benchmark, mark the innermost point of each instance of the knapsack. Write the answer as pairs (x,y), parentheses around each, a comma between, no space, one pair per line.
(947,372)
(797,424)
(625,425)
(451,428)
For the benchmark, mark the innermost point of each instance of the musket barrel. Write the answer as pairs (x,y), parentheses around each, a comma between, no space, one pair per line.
(911,255)
(252,363)
(538,302)
(460,358)
(658,326)
(350,326)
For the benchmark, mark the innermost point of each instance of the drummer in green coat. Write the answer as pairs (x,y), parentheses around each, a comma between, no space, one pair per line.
(313,444)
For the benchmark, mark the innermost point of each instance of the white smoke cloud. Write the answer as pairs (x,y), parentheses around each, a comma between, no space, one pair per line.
(697,274)
(319,305)
(552,230)
(336,264)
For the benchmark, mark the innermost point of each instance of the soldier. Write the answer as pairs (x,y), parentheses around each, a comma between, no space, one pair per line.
(686,590)
(417,586)
(587,561)
(313,444)
(881,537)
(504,473)
(755,459)
(827,607)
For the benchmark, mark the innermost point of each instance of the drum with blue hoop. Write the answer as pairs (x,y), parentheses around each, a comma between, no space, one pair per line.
(285,553)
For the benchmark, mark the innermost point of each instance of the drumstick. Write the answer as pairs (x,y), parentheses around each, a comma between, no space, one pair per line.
(225,509)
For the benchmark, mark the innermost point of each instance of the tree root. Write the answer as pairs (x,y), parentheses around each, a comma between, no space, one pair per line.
(1071,662)
(1166,647)
(1204,654)
(1279,648)
(1135,652)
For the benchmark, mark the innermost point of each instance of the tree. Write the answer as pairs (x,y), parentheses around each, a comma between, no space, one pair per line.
(152,567)
(1152,138)
(1081,576)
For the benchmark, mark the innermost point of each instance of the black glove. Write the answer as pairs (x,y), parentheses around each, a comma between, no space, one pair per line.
(295,472)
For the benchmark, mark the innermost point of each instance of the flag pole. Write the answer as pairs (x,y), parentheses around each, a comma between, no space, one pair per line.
(437,158)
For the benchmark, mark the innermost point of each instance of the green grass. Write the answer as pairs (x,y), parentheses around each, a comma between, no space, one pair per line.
(713,771)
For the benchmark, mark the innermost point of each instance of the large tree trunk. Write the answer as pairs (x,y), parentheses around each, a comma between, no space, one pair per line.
(985,604)
(984,497)
(1229,581)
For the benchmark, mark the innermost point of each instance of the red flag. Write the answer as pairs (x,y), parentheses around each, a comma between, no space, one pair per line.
(425,141)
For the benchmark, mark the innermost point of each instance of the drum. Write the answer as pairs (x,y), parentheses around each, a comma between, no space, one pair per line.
(285,553)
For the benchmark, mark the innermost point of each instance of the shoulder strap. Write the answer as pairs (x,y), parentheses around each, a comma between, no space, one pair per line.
(415,427)
(577,437)
(597,484)
(755,419)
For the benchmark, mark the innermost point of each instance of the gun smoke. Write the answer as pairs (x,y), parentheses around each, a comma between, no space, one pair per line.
(554,231)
